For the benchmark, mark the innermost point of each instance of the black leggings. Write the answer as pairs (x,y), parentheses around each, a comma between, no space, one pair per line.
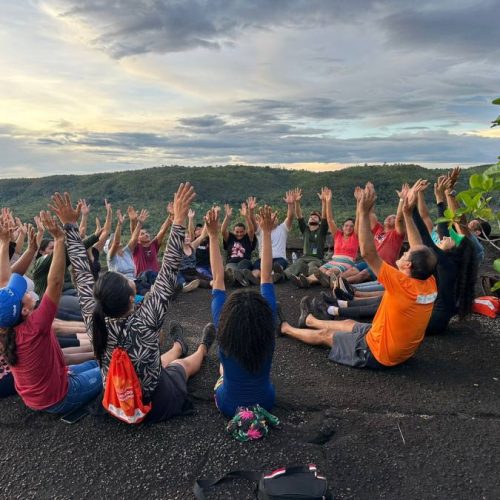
(362,308)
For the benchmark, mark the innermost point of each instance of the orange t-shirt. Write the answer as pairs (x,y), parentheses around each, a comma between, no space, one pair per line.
(399,326)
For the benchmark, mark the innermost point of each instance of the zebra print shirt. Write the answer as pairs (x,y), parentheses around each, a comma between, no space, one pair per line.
(140,329)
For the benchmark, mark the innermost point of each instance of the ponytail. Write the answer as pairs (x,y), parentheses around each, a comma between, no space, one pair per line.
(100,332)
(9,347)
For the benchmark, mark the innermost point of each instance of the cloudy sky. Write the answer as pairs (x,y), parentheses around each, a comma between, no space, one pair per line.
(94,85)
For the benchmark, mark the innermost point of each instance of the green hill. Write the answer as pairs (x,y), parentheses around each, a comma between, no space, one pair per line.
(153,188)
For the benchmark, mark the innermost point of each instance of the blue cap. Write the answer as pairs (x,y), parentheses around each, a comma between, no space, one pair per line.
(11,297)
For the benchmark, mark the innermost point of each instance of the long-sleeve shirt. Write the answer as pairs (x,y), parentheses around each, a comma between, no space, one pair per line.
(138,331)
(41,268)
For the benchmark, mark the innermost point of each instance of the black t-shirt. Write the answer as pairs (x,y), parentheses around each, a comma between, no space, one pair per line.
(203,254)
(237,250)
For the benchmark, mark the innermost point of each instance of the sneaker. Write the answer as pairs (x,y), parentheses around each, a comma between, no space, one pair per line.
(320,309)
(280,318)
(345,286)
(240,278)
(176,332)
(229,277)
(250,277)
(341,295)
(329,299)
(323,279)
(277,268)
(299,281)
(208,336)
(305,310)
(189,287)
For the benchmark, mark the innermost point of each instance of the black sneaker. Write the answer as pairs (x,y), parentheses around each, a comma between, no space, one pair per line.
(305,310)
(208,336)
(345,286)
(280,319)
(177,333)
(250,277)
(341,295)
(240,278)
(229,277)
(320,309)
(329,299)
(323,279)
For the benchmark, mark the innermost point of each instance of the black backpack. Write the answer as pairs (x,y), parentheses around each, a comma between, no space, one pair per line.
(298,482)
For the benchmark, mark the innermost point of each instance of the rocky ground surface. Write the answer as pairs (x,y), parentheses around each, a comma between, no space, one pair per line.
(427,429)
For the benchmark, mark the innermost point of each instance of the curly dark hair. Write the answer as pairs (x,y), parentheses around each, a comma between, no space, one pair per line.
(8,345)
(246,329)
(465,258)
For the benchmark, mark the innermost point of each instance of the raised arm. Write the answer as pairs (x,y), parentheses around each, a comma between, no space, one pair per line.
(190,231)
(5,235)
(24,262)
(154,309)
(22,230)
(106,230)
(365,236)
(55,278)
(326,204)
(164,228)
(358,193)
(461,227)
(39,230)
(400,220)
(440,187)
(252,205)
(83,278)
(409,203)
(212,225)
(297,195)
(85,210)
(117,237)
(228,213)
(139,223)
(245,213)
(197,242)
(266,221)
(290,211)
(422,207)
(132,217)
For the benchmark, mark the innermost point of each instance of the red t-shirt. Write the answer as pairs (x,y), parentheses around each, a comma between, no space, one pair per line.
(146,258)
(345,246)
(40,375)
(388,244)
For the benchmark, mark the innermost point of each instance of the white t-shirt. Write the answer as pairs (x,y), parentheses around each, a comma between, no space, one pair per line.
(123,264)
(278,240)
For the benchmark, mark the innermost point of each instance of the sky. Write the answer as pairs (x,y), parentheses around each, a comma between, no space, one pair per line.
(96,85)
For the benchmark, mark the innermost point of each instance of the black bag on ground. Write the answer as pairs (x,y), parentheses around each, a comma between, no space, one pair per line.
(298,482)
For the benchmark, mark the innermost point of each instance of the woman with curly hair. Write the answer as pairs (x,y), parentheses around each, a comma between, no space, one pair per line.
(245,327)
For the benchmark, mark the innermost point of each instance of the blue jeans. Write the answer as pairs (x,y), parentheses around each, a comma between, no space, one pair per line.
(84,384)
(369,286)
(280,260)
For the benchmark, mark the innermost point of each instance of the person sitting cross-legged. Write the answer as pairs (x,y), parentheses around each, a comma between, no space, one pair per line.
(245,327)
(400,322)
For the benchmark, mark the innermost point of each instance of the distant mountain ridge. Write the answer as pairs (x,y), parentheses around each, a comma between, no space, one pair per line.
(152,188)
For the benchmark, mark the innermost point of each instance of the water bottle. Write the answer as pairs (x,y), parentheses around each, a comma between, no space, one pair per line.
(294,256)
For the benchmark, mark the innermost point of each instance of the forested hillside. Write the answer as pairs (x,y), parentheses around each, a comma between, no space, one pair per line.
(152,188)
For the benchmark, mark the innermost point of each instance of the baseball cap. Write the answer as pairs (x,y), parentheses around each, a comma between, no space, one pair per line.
(10,300)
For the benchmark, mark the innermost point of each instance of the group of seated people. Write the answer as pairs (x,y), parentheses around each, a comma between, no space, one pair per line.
(58,334)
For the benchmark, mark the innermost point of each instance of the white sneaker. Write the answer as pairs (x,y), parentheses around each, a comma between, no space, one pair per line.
(189,287)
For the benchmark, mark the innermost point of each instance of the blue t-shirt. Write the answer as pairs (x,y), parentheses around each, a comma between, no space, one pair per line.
(240,387)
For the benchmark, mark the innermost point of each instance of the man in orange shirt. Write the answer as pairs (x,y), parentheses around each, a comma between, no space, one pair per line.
(401,319)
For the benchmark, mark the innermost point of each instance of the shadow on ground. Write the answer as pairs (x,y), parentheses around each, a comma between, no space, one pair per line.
(427,429)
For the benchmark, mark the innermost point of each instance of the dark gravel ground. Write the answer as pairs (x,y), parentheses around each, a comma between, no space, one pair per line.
(427,429)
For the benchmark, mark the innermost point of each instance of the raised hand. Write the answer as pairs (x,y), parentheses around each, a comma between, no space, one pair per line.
(404,191)
(228,211)
(143,216)
(98,227)
(243,210)
(252,203)
(120,217)
(321,194)
(170,207)
(5,230)
(289,198)
(327,193)
(266,219)
(367,200)
(410,199)
(191,213)
(32,242)
(297,194)
(50,223)
(358,193)
(212,221)
(85,209)
(454,175)
(443,183)
(132,213)
(182,201)
(61,205)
